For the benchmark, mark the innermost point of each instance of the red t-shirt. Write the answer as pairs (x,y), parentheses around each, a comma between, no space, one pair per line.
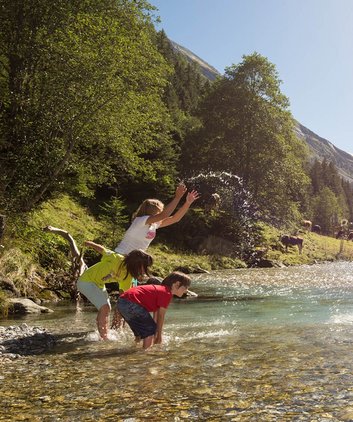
(151,296)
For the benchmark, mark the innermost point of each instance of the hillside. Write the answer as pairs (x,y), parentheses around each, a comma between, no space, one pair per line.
(322,148)
(207,70)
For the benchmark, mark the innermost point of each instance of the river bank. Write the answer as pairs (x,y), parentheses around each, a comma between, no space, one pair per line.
(271,253)
(35,264)
(258,344)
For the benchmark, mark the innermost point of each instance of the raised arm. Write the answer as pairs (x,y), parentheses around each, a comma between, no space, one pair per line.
(160,321)
(190,198)
(169,208)
(99,248)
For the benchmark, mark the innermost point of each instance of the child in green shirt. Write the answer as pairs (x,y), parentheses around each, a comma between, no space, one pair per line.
(112,268)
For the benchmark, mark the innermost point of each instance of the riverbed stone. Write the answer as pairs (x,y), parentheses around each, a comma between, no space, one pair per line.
(20,340)
(26,306)
(268,263)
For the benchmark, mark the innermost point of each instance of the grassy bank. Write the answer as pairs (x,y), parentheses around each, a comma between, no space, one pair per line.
(316,248)
(33,261)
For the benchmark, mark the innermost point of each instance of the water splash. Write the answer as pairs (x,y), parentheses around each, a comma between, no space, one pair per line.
(237,211)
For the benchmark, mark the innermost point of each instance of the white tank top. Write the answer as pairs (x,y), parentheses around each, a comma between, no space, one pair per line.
(138,236)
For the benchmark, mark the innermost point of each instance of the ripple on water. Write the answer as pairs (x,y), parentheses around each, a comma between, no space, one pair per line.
(274,345)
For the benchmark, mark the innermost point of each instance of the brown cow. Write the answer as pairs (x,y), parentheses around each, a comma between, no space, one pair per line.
(292,241)
(341,234)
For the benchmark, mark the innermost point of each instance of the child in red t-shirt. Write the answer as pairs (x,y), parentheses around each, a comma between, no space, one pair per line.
(136,304)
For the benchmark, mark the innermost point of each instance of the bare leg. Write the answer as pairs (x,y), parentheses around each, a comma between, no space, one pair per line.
(118,321)
(102,321)
(148,342)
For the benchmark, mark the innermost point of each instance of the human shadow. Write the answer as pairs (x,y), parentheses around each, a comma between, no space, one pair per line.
(33,344)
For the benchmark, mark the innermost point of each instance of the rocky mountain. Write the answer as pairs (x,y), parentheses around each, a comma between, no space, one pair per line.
(320,148)
(207,70)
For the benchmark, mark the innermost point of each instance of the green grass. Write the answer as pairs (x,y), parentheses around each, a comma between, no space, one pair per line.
(4,305)
(316,248)
(167,260)
(32,256)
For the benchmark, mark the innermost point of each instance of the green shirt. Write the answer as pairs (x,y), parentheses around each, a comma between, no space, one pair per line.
(110,269)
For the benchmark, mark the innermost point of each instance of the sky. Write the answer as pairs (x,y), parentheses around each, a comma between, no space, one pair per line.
(309,41)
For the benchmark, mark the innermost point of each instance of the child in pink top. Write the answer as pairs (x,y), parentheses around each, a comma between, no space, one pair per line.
(151,215)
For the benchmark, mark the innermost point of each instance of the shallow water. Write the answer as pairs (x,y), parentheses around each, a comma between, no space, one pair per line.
(257,345)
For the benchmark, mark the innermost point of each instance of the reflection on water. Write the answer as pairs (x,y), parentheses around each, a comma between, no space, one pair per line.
(257,345)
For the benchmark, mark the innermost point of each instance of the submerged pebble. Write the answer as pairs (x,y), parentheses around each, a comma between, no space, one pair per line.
(21,340)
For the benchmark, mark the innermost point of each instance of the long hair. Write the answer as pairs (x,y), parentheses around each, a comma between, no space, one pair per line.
(175,276)
(136,263)
(148,207)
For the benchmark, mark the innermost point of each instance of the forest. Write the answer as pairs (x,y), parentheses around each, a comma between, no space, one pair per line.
(97,106)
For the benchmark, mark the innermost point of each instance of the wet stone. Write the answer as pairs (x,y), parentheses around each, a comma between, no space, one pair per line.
(21,340)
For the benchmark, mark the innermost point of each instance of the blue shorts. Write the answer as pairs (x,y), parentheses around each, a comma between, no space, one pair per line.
(139,320)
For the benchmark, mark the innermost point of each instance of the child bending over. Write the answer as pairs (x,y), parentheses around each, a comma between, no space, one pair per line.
(136,304)
(111,269)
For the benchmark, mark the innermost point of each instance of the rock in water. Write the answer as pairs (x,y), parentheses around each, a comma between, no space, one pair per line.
(27,306)
(20,340)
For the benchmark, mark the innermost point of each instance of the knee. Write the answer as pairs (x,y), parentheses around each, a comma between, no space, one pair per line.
(105,309)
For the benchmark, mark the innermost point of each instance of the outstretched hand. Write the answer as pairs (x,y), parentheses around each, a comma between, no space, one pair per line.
(192,196)
(180,190)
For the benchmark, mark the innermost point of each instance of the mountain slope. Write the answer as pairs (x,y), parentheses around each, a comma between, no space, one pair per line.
(323,149)
(207,70)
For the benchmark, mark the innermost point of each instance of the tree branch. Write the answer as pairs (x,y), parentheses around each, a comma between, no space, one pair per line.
(78,264)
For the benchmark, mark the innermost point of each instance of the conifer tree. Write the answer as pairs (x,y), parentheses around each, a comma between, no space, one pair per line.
(248,130)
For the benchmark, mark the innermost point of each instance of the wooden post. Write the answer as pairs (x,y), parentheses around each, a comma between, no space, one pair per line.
(2,226)
(340,253)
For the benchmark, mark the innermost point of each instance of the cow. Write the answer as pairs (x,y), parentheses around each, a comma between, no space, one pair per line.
(307,225)
(316,229)
(288,240)
(341,234)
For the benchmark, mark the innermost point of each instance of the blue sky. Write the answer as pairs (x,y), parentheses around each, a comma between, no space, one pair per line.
(309,41)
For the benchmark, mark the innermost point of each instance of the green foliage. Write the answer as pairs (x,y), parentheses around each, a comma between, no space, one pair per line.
(327,212)
(247,130)
(50,251)
(4,304)
(185,84)
(316,248)
(348,192)
(167,260)
(332,193)
(85,107)
(93,101)
(113,219)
